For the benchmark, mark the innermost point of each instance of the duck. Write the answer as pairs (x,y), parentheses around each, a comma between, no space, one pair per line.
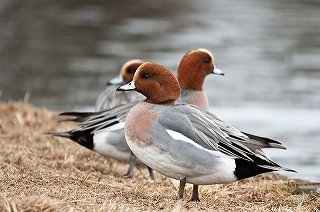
(186,142)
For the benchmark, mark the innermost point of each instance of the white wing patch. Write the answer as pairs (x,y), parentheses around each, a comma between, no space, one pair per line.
(178,136)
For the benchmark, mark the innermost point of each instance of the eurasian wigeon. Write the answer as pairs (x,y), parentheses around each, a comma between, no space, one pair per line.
(194,67)
(109,98)
(184,141)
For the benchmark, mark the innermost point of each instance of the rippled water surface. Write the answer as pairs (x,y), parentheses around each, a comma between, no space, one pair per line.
(63,52)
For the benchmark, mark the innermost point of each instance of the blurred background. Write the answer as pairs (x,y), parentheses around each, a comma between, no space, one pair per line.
(62,53)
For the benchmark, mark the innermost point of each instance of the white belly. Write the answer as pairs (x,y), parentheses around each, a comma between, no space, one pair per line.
(219,172)
(112,144)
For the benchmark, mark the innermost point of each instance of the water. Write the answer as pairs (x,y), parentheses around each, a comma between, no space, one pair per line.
(63,52)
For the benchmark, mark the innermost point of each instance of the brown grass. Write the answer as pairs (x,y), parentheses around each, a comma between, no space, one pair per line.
(45,173)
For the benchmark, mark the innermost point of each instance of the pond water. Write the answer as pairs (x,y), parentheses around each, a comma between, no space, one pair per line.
(63,52)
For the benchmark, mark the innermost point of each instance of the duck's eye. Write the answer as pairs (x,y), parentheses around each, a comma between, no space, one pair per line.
(146,76)
(131,70)
(207,60)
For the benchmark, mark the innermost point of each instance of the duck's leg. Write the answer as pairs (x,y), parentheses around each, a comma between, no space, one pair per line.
(195,194)
(132,164)
(151,173)
(181,188)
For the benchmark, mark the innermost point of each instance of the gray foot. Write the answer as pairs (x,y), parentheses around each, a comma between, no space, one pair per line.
(181,188)
(132,164)
(195,194)
(151,173)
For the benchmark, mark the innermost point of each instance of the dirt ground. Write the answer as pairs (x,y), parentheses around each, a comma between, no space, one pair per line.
(45,173)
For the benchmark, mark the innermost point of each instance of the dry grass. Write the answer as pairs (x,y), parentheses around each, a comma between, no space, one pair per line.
(45,173)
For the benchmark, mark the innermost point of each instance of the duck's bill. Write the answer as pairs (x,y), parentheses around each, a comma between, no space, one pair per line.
(116,81)
(217,71)
(128,87)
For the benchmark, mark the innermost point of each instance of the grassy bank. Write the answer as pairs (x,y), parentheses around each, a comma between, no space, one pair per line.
(44,173)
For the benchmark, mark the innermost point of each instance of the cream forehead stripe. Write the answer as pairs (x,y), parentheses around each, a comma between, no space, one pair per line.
(131,62)
(207,51)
